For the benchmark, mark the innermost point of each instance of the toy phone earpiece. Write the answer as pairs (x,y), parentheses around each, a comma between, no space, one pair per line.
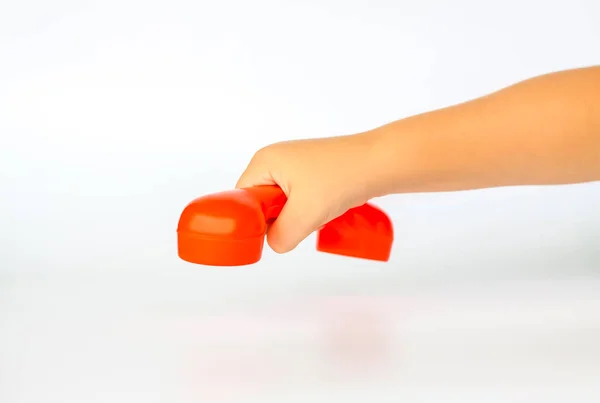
(228,228)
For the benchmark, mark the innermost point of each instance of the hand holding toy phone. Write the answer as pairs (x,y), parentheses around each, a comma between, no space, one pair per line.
(228,228)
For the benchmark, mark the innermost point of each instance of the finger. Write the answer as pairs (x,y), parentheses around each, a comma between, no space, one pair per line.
(292,226)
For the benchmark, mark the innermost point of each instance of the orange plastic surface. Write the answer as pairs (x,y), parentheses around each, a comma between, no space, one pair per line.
(228,228)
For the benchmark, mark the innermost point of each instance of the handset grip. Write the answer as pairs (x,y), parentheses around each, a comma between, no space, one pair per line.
(271,199)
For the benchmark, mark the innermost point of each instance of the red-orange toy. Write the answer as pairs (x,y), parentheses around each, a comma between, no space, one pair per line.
(228,228)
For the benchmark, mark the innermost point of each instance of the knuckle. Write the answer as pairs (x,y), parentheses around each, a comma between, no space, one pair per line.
(278,248)
(263,154)
(277,244)
(270,153)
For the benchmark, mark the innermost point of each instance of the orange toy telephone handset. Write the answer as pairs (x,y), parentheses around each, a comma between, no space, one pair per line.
(228,228)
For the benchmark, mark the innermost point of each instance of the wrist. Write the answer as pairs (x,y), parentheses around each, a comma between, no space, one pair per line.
(394,155)
(416,154)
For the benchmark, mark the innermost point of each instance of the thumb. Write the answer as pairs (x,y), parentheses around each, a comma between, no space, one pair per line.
(294,224)
(257,172)
(253,176)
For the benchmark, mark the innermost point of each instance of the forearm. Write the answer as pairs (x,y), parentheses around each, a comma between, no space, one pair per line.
(545,130)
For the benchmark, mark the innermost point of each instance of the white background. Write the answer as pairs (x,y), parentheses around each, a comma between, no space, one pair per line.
(115,114)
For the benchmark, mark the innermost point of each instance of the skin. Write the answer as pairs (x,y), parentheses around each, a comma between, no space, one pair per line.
(541,131)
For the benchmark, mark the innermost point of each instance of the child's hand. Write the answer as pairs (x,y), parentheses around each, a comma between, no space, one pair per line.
(542,131)
(322,179)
